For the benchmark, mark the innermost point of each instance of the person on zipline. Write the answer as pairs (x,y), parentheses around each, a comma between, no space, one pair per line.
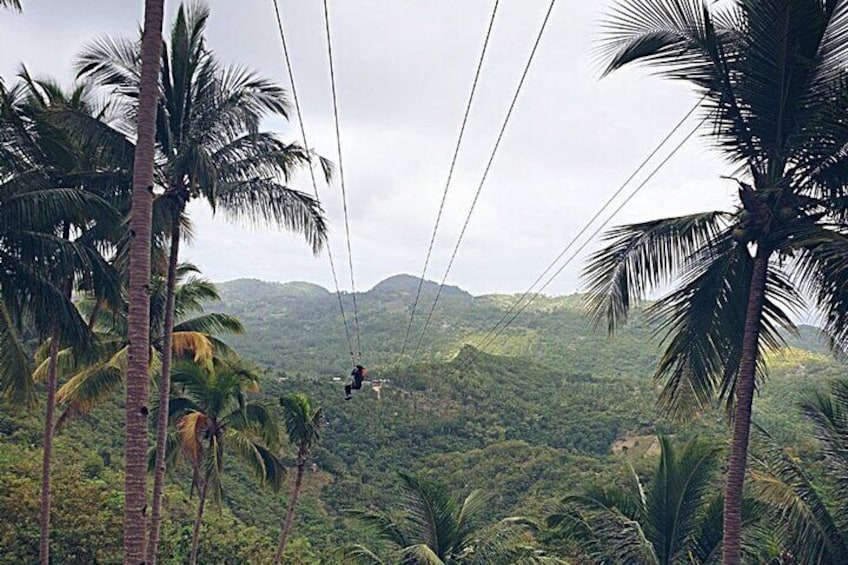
(358,374)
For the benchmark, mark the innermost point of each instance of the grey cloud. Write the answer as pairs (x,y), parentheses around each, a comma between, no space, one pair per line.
(404,71)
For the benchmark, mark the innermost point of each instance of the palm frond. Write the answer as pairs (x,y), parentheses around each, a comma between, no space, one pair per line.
(431,512)
(111,62)
(208,129)
(261,155)
(780,97)
(360,555)
(258,419)
(195,382)
(702,323)
(803,514)
(643,257)
(672,521)
(822,268)
(745,57)
(173,452)
(262,461)
(179,406)
(302,421)
(676,499)
(32,289)
(191,428)
(423,554)
(615,534)
(213,469)
(45,205)
(91,386)
(65,363)
(505,543)
(385,527)
(688,40)
(470,516)
(677,35)
(221,348)
(99,141)
(253,95)
(194,344)
(259,201)
(16,378)
(829,415)
(210,324)
(705,545)
(327,167)
(13,4)
(192,293)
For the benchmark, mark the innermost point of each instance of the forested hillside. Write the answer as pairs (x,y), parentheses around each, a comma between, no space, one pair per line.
(299,327)
(558,408)
(535,420)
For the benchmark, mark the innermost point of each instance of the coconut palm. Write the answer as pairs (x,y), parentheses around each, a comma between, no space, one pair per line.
(99,375)
(213,417)
(42,172)
(211,147)
(138,321)
(675,520)
(811,515)
(436,529)
(303,426)
(53,157)
(771,76)
(11,4)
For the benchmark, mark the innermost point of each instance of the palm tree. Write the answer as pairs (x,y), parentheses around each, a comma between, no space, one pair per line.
(11,4)
(303,425)
(138,321)
(58,159)
(98,375)
(675,521)
(770,74)
(436,529)
(811,516)
(213,416)
(212,148)
(41,172)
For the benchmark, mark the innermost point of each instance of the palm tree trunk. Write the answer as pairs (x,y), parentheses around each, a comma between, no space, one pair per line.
(135,468)
(287,525)
(44,545)
(164,395)
(746,380)
(47,456)
(195,534)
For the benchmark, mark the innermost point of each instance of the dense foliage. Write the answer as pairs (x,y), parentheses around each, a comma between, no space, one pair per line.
(770,75)
(526,432)
(458,454)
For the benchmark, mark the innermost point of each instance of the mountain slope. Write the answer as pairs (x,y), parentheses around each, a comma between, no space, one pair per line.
(308,334)
(536,419)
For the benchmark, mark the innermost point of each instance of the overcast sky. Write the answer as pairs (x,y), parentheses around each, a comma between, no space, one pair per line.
(404,70)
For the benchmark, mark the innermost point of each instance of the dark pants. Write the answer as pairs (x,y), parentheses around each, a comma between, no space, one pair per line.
(357,384)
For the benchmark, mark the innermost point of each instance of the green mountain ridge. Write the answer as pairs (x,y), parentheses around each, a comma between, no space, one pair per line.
(551,407)
(408,284)
(308,335)
(294,289)
(552,396)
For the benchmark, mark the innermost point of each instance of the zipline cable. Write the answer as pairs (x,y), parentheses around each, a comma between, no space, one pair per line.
(342,180)
(311,170)
(486,172)
(583,245)
(594,218)
(450,175)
